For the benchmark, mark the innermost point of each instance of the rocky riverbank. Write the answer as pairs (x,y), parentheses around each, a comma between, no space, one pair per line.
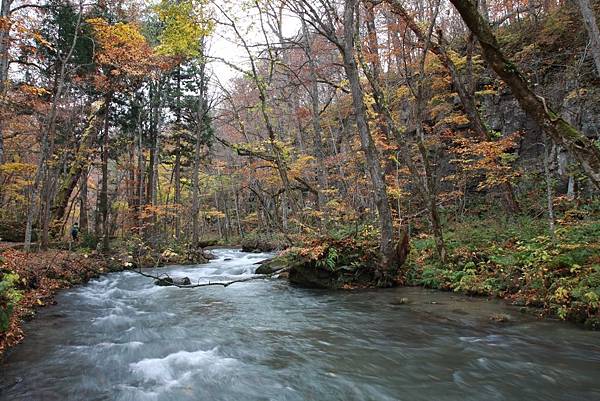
(29,281)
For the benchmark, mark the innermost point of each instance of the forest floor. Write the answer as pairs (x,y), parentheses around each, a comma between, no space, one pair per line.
(512,258)
(518,261)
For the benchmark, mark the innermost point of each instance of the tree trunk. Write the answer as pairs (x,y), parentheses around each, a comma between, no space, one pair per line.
(389,264)
(555,126)
(196,178)
(177,166)
(589,20)
(549,189)
(177,172)
(81,162)
(83,201)
(140,178)
(4,48)
(196,168)
(104,187)
(43,174)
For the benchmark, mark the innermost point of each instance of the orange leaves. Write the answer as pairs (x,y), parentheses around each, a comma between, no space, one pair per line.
(303,113)
(492,158)
(124,53)
(40,39)
(34,90)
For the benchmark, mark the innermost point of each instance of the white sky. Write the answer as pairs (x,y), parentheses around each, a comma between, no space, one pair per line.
(225,44)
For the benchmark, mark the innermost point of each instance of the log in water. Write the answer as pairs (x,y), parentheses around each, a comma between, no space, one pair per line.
(123,338)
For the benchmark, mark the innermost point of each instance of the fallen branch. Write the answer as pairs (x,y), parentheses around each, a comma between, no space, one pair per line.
(164,277)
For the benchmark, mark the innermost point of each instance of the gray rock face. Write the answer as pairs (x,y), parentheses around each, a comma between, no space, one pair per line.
(582,109)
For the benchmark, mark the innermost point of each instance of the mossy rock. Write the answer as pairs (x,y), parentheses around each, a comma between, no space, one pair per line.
(307,275)
(273,265)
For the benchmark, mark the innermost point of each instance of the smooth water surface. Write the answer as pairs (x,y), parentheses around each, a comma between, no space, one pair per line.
(122,338)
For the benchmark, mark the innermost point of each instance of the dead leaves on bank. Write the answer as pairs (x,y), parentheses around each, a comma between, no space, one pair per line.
(41,275)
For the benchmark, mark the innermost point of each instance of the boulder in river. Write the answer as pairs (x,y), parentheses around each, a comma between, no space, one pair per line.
(310,275)
(270,266)
(171,281)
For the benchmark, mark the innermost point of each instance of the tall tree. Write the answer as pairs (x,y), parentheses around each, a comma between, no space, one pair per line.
(124,58)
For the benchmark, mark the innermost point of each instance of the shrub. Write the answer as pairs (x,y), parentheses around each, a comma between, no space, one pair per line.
(9,296)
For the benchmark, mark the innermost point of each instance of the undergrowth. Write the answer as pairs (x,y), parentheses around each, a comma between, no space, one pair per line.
(519,261)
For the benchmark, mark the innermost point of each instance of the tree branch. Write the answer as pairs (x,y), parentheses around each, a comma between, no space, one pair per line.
(208,284)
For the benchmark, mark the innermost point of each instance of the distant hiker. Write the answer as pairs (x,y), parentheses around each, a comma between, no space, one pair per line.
(75,232)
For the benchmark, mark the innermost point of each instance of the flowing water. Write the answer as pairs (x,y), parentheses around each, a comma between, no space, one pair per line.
(122,338)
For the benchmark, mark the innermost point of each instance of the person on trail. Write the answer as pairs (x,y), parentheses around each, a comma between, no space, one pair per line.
(75,232)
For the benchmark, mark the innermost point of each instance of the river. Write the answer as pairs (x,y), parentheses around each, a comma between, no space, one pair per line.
(122,338)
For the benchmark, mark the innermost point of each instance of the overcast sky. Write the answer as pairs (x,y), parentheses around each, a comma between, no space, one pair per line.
(224,43)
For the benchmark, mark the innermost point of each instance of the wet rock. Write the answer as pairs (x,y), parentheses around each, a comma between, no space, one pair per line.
(208,255)
(263,269)
(306,275)
(270,266)
(400,301)
(261,244)
(171,281)
(207,243)
(499,318)
(196,256)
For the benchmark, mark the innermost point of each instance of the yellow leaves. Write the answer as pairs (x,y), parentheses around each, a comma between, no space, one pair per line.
(251,218)
(184,26)
(561,295)
(114,36)
(169,253)
(157,211)
(17,168)
(433,64)
(213,214)
(369,102)
(461,61)
(593,298)
(396,192)
(403,91)
(20,176)
(300,165)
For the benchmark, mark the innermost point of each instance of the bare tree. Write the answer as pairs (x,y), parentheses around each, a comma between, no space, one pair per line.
(589,20)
